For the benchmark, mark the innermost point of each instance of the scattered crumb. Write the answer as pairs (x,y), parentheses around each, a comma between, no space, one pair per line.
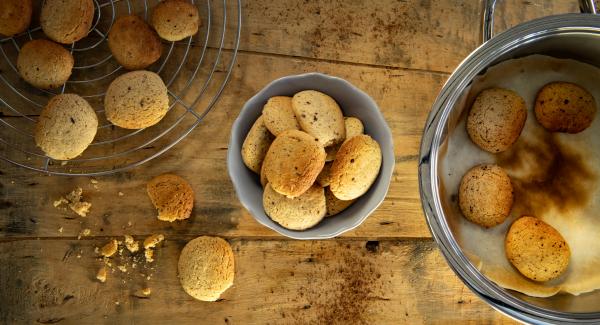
(109,249)
(132,245)
(60,230)
(74,201)
(84,233)
(146,291)
(149,253)
(121,193)
(94,181)
(78,255)
(153,240)
(129,223)
(96,250)
(133,266)
(122,268)
(117,303)
(101,275)
(12,182)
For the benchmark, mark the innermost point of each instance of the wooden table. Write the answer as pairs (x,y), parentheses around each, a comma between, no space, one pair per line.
(388,270)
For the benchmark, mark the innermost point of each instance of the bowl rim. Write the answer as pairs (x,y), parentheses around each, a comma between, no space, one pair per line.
(499,298)
(298,234)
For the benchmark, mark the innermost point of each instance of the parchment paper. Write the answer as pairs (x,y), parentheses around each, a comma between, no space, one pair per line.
(554,175)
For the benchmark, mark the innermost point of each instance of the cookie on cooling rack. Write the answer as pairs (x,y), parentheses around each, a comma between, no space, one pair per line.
(44,64)
(67,21)
(175,20)
(66,127)
(565,107)
(172,196)
(15,16)
(136,100)
(133,43)
(536,249)
(206,268)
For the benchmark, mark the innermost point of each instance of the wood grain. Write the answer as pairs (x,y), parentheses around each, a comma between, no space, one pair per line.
(277,282)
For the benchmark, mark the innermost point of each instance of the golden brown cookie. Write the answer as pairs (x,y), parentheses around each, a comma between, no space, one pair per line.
(256,144)
(206,268)
(136,100)
(67,21)
(175,20)
(172,196)
(355,167)
(299,213)
(496,119)
(66,127)
(279,115)
(320,116)
(133,43)
(324,178)
(565,107)
(15,16)
(293,162)
(335,205)
(353,127)
(536,249)
(45,64)
(485,195)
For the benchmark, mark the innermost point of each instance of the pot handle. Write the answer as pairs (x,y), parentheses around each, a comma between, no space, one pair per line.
(586,6)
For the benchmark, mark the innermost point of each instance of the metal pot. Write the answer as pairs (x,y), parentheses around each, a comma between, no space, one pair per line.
(574,36)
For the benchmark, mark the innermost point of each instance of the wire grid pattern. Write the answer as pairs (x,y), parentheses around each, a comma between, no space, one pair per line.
(195,71)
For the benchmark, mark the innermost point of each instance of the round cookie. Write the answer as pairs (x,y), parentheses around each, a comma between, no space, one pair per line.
(293,162)
(564,107)
(496,119)
(299,213)
(536,249)
(45,64)
(206,268)
(335,205)
(175,20)
(355,167)
(485,195)
(136,100)
(320,116)
(172,196)
(279,115)
(133,43)
(67,21)
(15,16)
(256,145)
(66,127)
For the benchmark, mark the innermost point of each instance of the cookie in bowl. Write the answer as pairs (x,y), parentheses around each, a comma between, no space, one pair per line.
(298,213)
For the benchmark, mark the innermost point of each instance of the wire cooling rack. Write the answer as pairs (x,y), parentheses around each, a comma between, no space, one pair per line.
(194,70)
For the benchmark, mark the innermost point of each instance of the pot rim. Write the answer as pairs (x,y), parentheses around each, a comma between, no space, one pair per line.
(462,76)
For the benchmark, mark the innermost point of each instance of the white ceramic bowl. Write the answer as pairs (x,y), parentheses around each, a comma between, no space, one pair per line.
(353,102)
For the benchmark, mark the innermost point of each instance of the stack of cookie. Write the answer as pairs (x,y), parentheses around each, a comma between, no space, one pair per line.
(313,162)
(486,195)
(135,100)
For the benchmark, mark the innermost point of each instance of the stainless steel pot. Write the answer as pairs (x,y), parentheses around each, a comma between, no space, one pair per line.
(574,36)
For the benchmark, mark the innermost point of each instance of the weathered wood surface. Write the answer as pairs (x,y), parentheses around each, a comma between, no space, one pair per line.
(400,52)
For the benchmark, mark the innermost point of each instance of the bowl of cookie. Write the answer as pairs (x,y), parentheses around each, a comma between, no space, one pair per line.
(310,156)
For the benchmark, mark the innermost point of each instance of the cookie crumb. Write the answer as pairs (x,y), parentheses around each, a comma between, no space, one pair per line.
(149,253)
(93,181)
(60,230)
(121,193)
(153,240)
(122,268)
(84,233)
(101,275)
(146,291)
(109,249)
(74,201)
(132,245)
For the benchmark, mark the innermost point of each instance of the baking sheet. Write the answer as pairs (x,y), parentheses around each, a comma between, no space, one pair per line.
(554,176)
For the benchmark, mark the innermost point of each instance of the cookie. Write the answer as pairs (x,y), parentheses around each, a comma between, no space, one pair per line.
(293,162)
(324,178)
(175,20)
(15,16)
(206,268)
(66,127)
(136,100)
(564,107)
(299,213)
(485,195)
(133,43)
(335,205)
(45,64)
(355,167)
(536,249)
(279,115)
(67,21)
(256,145)
(172,196)
(353,127)
(320,116)
(496,119)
